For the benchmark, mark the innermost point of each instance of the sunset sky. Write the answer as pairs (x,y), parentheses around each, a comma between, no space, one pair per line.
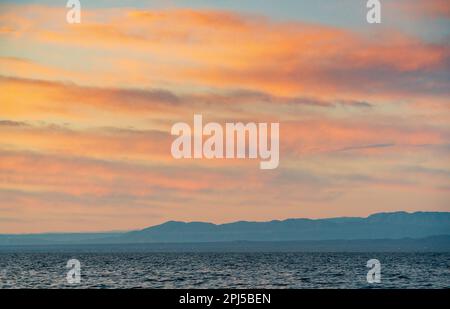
(86,110)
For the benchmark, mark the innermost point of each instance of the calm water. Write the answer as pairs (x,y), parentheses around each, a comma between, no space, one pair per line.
(225,270)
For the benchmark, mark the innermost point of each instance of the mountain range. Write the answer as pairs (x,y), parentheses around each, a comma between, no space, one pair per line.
(378,226)
(343,230)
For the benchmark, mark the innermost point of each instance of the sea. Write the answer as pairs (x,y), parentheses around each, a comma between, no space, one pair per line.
(126,270)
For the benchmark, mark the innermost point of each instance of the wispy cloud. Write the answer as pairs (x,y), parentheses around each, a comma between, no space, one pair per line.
(86,112)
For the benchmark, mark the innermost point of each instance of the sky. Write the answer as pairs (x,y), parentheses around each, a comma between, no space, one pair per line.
(86,110)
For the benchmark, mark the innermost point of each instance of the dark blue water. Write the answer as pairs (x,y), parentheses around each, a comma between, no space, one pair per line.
(225,270)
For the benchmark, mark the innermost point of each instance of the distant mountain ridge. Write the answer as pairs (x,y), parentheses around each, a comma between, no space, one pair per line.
(395,225)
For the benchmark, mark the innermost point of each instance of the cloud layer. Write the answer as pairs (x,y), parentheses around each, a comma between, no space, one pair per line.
(86,112)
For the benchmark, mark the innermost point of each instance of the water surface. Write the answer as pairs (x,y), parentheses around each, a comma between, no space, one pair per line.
(225,270)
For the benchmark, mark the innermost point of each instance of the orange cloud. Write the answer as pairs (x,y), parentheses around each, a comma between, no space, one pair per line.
(199,48)
(79,176)
(322,136)
(85,118)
